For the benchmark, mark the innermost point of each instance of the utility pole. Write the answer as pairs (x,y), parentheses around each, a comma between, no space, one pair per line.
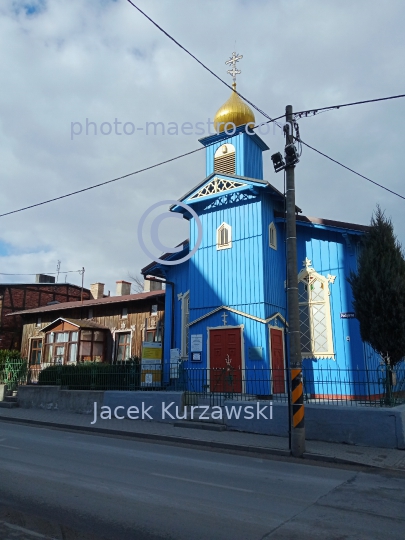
(295,364)
(81,293)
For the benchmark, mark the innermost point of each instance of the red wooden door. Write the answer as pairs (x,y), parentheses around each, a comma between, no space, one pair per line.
(277,361)
(225,360)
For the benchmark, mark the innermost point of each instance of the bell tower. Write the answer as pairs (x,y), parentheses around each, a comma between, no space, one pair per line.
(235,149)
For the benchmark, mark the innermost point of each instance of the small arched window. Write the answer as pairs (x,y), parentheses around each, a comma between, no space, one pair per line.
(272,236)
(224,159)
(315,315)
(224,236)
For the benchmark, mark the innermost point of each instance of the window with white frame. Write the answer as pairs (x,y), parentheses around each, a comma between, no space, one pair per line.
(272,236)
(124,313)
(224,236)
(315,314)
(185,319)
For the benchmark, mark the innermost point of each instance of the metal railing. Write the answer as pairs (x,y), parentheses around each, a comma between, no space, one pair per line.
(13,372)
(382,386)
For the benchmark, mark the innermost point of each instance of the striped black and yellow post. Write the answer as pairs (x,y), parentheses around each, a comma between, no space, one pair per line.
(297,398)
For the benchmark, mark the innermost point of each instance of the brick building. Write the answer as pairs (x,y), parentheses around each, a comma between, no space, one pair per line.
(22,296)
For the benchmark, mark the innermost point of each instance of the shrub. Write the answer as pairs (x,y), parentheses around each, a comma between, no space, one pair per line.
(13,369)
(93,376)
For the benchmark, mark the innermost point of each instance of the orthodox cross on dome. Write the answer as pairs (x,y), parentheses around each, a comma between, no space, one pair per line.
(232,62)
(224,317)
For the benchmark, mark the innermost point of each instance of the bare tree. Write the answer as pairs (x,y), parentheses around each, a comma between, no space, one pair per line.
(138,282)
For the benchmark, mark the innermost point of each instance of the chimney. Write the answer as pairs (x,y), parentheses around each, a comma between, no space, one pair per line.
(123,288)
(149,285)
(97,290)
(43,278)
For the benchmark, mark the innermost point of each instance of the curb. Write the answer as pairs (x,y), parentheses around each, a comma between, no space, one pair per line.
(152,437)
(237,448)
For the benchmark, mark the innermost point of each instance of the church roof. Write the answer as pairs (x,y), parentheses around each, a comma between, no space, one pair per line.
(89,303)
(208,140)
(325,223)
(234,111)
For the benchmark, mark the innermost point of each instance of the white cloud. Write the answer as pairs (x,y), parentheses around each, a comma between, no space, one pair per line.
(101,60)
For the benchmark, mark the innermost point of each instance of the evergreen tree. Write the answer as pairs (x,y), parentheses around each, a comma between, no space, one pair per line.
(379,290)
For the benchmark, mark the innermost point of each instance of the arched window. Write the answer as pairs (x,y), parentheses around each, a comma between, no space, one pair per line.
(272,236)
(224,159)
(224,236)
(315,315)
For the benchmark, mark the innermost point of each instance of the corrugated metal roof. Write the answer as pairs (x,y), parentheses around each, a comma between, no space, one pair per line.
(88,303)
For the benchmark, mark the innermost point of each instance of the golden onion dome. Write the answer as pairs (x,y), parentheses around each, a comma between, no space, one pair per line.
(234,111)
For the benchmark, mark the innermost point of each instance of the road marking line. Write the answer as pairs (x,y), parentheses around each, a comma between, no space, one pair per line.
(22,529)
(6,446)
(203,483)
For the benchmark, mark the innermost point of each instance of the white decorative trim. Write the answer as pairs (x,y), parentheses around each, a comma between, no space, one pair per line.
(225,149)
(308,276)
(242,313)
(217,185)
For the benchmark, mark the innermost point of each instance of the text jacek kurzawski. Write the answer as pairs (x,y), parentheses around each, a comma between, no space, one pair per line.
(258,411)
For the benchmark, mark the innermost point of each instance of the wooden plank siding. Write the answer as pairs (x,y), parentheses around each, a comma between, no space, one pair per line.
(109,316)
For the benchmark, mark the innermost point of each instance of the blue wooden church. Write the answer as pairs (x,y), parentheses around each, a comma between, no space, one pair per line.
(226,305)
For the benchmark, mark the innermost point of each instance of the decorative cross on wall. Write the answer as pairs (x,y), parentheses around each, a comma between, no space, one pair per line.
(224,317)
(232,62)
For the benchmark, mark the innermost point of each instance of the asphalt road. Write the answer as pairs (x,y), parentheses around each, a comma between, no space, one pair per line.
(72,485)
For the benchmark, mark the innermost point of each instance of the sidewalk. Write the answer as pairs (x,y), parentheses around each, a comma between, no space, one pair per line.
(226,440)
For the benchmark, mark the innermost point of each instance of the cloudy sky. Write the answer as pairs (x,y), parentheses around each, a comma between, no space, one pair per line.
(65,62)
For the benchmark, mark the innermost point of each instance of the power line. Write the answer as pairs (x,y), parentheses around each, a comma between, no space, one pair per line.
(121,177)
(297,114)
(351,170)
(45,273)
(266,115)
(300,114)
(199,61)
(102,183)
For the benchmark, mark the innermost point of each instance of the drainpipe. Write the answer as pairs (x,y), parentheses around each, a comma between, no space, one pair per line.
(172,323)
